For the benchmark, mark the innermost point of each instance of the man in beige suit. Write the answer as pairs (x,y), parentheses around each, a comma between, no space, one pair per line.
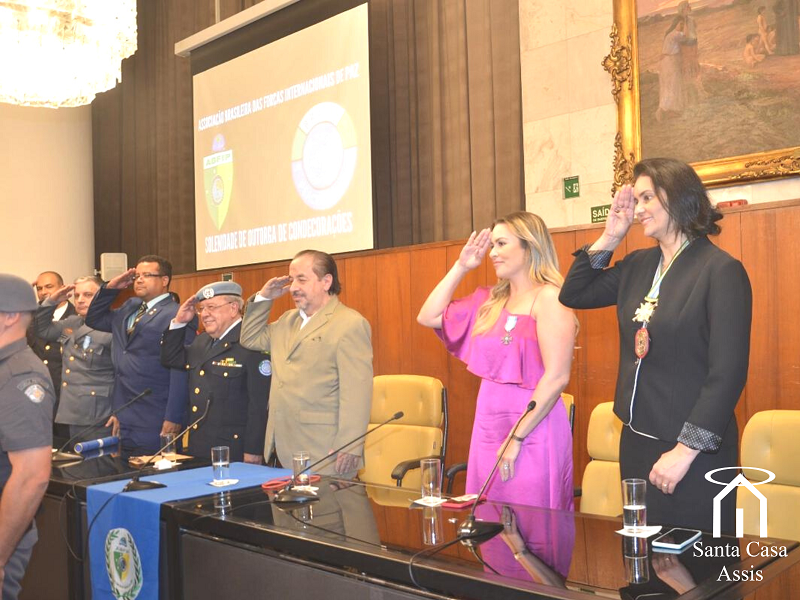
(321,355)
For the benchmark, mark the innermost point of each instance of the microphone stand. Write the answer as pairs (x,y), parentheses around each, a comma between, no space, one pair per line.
(289,498)
(61,456)
(471,532)
(135,485)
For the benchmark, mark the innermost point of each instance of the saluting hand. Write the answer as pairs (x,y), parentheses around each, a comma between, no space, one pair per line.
(61,294)
(120,282)
(186,312)
(620,217)
(276,287)
(474,251)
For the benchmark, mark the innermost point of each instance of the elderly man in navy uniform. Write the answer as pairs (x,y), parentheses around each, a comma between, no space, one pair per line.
(26,416)
(136,328)
(234,378)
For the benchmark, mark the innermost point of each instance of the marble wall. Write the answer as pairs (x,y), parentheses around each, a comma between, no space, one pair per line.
(569,115)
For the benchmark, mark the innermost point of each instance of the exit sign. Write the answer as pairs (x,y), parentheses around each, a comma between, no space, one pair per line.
(600,213)
(572,188)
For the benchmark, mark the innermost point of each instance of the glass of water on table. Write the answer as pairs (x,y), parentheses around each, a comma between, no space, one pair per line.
(634,510)
(221,462)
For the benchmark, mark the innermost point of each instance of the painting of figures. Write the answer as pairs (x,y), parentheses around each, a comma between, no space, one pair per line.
(718,78)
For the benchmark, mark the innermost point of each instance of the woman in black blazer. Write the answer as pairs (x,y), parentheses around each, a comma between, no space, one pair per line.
(684,310)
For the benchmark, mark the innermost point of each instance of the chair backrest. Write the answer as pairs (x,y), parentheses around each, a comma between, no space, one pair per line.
(421,432)
(771,440)
(569,404)
(601,488)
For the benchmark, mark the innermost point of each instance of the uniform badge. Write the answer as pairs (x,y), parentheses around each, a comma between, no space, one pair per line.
(35,393)
(208,293)
(265,368)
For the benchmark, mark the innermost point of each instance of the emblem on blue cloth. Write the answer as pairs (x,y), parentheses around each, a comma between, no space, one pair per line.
(265,368)
(123,564)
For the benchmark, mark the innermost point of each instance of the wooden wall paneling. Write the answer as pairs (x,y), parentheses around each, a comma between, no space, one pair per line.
(394,311)
(427,267)
(770,254)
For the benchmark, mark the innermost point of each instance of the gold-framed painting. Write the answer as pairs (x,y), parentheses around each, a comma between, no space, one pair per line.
(715,83)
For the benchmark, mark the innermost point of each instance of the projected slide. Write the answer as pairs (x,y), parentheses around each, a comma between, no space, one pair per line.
(282,147)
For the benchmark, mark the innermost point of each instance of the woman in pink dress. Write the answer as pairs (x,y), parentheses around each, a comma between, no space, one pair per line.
(519,339)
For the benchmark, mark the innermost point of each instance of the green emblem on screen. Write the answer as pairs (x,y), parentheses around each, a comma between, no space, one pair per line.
(123,565)
(218,183)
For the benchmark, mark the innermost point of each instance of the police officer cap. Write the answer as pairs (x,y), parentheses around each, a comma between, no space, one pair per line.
(16,295)
(219,288)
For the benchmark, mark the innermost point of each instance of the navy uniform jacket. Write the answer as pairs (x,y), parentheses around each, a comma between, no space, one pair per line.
(237,380)
(137,366)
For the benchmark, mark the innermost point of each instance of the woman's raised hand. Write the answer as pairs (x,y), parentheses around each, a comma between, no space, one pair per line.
(620,217)
(475,249)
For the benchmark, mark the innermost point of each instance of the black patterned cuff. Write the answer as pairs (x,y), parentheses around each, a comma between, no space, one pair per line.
(698,438)
(599,259)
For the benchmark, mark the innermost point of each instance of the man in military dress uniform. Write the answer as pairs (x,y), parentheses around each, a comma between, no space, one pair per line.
(234,378)
(26,417)
(87,374)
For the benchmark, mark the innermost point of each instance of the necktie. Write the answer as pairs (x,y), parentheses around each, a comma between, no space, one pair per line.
(139,315)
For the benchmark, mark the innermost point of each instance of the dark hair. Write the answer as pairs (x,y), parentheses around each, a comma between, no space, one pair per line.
(164,266)
(750,37)
(324,265)
(682,195)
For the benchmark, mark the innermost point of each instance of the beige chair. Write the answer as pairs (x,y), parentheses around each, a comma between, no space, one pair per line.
(771,440)
(392,454)
(601,488)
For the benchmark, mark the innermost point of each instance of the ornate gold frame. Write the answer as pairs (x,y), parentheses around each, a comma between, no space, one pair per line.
(623,65)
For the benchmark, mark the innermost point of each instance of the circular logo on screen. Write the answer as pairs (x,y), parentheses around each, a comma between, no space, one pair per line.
(217,190)
(123,564)
(324,155)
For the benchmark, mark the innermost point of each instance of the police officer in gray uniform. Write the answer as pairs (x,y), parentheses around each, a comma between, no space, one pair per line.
(87,375)
(26,417)
(235,378)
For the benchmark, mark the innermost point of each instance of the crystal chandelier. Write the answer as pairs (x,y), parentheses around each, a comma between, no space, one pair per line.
(63,52)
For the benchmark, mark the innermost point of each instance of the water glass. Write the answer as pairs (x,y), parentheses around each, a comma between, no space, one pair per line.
(221,462)
(431,471)
(634,510)
(167,442)
(300,460)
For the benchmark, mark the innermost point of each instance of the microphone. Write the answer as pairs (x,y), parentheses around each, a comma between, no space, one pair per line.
(59,455)
(290,497)
(472,532)
(134,485)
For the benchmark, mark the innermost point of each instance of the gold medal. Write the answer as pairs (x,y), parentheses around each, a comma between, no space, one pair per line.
(641,342)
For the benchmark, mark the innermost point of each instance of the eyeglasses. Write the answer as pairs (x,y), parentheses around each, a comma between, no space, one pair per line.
(146,275)
(212,307)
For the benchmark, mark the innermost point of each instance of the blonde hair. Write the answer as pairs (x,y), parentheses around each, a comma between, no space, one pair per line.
(540,256)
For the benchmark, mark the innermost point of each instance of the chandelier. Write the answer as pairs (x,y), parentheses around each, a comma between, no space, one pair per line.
(63,52)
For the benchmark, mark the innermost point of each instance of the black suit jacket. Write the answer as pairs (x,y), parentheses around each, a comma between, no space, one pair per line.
(235,378)
(697,364)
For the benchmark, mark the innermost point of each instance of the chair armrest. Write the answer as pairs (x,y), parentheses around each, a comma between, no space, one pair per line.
(450,475)
(407,465)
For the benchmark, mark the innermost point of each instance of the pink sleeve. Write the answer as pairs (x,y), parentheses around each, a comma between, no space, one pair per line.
(457,322)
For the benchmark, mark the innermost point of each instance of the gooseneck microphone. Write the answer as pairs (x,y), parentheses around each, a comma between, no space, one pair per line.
(472,532)
(59,455)
(135,485)
(289,497)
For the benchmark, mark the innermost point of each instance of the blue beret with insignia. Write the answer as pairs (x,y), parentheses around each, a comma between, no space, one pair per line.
(219,288)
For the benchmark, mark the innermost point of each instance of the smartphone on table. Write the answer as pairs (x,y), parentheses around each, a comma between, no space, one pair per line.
(676,539)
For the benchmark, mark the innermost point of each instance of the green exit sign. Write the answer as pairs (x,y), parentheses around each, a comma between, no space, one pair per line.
(572,188)
(600,213)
